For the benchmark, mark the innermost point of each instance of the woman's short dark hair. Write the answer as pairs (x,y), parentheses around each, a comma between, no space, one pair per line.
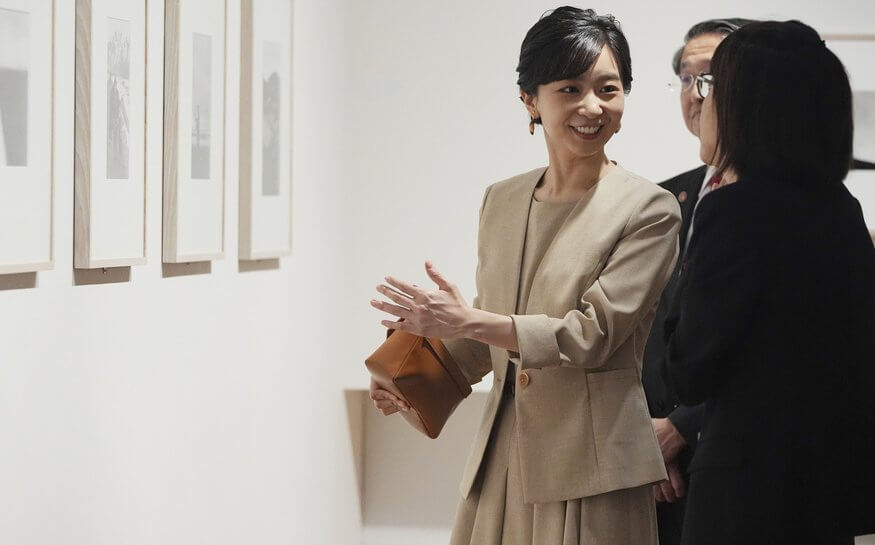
(783,105)
(565,43)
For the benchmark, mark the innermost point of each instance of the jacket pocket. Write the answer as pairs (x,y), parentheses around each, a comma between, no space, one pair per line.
(622,430)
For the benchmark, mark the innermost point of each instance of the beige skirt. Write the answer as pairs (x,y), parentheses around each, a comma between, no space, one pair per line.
(494,512)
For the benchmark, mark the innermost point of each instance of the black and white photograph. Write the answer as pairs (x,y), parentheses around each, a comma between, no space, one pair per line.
(270,128)
(118,99)
(201,94)
(14,55)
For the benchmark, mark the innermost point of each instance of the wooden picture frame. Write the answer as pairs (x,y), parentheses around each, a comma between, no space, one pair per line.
(194,131)
(265,205)
(26,136)
(110,103)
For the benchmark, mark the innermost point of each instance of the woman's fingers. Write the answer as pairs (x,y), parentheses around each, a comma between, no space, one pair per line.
(405,287)
(384,398)
(389,407)
(399,325)
(437,277)
(402,299)
(380,393)
(390,410)
(394,310)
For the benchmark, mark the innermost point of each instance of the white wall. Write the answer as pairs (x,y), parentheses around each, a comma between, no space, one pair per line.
(189,409)
(208,408)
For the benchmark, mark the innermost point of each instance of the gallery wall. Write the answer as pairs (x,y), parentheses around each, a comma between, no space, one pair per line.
(185,404)
(193,404)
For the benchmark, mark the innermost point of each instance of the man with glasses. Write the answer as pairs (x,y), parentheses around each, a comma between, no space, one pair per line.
(677,426)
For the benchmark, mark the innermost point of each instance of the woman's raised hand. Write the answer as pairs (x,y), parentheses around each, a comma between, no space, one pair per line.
(442,313)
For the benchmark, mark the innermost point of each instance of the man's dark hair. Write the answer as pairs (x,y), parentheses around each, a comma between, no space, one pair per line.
(565,43)
(783,105)
(724,27)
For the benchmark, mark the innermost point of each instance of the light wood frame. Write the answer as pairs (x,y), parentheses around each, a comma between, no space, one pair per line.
(174,250)
(253,12)
(84,249)
(40,252)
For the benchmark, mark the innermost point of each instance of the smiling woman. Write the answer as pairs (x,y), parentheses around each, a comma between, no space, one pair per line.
(572,260)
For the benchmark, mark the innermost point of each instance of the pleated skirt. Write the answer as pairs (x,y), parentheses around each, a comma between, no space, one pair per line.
(495,514)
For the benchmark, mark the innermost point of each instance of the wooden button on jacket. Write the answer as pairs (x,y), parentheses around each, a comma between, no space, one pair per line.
(582,421)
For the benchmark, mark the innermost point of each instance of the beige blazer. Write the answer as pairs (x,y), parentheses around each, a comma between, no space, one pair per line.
(582,421)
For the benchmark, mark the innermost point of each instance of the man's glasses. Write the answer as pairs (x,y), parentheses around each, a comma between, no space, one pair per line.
(704,84)
(684,83)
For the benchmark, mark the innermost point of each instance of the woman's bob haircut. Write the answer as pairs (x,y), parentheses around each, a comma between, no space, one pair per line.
(783,105)
(565,43)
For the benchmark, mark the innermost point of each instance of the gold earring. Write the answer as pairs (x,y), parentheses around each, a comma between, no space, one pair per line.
(532,126)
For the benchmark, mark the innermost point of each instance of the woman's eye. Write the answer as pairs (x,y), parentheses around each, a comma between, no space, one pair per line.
(568,90)
(609,89)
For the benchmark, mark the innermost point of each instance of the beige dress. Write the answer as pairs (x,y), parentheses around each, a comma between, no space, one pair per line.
(494,512)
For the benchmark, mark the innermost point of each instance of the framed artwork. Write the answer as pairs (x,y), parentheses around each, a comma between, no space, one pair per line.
(26,108)
(109,169)
(265,129)
(194,130)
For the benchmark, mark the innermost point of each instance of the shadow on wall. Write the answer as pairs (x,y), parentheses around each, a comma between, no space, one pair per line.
(20,281)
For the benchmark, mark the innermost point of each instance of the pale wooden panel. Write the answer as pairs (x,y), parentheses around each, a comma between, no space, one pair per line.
(171,126)
(409,479)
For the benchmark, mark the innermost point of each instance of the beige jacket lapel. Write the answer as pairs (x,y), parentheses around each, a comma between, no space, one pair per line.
(515,220)
(508,250)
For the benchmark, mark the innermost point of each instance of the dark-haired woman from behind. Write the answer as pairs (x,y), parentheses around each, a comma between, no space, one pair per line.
(572,260)
(774,321)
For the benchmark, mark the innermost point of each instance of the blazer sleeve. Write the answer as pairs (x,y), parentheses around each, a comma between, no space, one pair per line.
(472,357)
(688,421)
(719,289)
(608,312)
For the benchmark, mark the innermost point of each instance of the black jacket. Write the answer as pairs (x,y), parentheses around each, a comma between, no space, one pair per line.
(773,328)
(661,399)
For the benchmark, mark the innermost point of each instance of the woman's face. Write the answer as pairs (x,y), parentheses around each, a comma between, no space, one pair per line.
(580,115)
(708,131)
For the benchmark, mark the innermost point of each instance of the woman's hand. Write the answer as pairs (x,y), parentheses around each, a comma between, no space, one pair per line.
(442,313)
(386,401)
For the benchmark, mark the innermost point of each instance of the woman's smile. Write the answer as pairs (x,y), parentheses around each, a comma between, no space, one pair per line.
(587,132)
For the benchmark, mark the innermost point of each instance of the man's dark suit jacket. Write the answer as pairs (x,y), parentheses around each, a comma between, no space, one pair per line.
(661,399)
(773,328)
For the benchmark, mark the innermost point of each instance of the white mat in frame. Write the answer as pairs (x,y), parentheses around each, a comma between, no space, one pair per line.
(26,139)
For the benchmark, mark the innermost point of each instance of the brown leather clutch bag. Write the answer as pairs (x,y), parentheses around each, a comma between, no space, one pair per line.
(421,372)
